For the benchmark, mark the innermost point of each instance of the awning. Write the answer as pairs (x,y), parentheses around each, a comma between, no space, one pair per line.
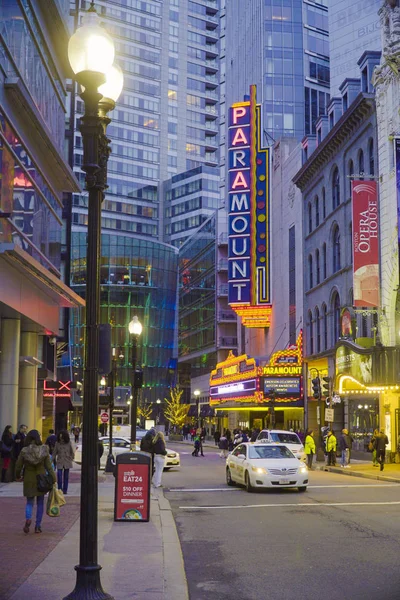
(192,412)
(207,411)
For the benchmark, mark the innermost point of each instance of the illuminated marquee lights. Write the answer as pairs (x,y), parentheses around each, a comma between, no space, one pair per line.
(248,255)
(234,368)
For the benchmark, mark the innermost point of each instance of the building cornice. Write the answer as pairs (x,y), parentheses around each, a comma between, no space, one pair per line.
(360,110)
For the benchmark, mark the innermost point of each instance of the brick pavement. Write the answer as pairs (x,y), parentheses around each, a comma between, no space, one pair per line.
(21,554)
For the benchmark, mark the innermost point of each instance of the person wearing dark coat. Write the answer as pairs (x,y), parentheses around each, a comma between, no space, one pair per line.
(7,441)
(146,445)
(51,440)
(19,440)
(217,437)
(381,443)
(100,452)
(34,459)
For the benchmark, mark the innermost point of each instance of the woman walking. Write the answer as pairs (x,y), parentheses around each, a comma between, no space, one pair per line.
(7,440)
(34,459)
(63,455)
(159,458)
(309,448)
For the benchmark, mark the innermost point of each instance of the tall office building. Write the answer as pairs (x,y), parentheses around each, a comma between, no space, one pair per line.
(163,136)
(353,28)
(283,48)
(165,121)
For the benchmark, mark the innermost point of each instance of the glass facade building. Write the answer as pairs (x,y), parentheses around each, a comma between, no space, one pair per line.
(288,60)
(137,278)
(190,199)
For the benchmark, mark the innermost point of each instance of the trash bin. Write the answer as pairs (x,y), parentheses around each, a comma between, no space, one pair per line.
(132,487)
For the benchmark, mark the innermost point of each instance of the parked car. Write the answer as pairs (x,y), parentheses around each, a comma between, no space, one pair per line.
(280,436)
(123,444)
(265,465)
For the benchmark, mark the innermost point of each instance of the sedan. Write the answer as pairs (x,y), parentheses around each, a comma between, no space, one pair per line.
(265,466)
(121,445)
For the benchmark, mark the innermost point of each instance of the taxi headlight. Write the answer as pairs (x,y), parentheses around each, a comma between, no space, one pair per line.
(303,469)
(259,470)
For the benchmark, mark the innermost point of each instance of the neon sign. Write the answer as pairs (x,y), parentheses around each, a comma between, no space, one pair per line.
(59,389)
(248,222)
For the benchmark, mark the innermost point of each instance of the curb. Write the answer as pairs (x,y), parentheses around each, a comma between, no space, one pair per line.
(359,474)
(175,582)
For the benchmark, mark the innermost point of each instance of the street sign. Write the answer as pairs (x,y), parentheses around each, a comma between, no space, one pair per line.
(329,415)
(104,418)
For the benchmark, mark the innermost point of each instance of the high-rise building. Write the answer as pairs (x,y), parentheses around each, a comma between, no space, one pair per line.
(354,27)
(164,151)
(283,48)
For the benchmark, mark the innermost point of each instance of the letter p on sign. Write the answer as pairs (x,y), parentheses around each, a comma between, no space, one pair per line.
(238,112)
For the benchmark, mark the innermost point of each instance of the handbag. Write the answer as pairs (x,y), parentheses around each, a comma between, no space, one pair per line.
(53,507)
(44,482)
(4,448)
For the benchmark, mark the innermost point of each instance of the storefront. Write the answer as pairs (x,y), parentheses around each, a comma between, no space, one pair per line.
(255,396)
(367,382)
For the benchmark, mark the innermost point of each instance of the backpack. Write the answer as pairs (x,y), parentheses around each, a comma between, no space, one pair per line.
(146,445)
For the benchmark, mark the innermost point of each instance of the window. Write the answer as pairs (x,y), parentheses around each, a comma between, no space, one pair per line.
(371,157)
(324,261)
(361,164)
(309,218)
(316,211)
(336,316)
(310,321)
(336,249)
(323,204)
(335,188)
(310,272)
(317,268)
(325,326)
(318,330)
(351,175)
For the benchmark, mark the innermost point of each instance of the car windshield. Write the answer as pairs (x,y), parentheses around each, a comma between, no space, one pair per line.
(285,438)
(273,452)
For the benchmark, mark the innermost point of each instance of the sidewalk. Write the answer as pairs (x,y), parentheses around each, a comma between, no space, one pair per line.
(364,469)
(139,560)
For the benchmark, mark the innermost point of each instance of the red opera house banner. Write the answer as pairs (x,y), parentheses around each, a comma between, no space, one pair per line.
(365,243)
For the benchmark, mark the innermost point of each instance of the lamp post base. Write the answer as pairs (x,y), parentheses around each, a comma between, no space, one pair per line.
(110,464)
(88,585)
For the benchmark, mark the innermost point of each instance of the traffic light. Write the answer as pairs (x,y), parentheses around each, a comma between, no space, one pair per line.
(326,386)
(138,379)
(316,386)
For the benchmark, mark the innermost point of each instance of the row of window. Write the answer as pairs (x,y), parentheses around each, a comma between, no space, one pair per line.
(318,325)
(320,211)
(320,261)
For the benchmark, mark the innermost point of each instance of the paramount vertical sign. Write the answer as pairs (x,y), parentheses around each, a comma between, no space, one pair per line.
(248,181)
(365,243)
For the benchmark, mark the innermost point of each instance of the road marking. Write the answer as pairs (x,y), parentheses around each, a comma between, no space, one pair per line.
(355,485)
(309,487)
(302,505)
(227,489)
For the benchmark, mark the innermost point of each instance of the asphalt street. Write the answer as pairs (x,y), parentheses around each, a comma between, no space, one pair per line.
(339,540)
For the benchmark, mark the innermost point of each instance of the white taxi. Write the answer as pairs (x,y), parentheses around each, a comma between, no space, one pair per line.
(123,444)
(265,465)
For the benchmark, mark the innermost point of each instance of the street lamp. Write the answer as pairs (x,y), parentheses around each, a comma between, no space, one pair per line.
(158,402)
(91,56)
(196,394)
(135,329)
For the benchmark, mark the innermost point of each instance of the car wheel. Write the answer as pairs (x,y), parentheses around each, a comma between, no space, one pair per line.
(249,487)
(302,488)
(229,479)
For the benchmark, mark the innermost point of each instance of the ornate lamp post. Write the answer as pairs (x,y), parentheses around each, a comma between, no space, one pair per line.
(135,329)
(91,55)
